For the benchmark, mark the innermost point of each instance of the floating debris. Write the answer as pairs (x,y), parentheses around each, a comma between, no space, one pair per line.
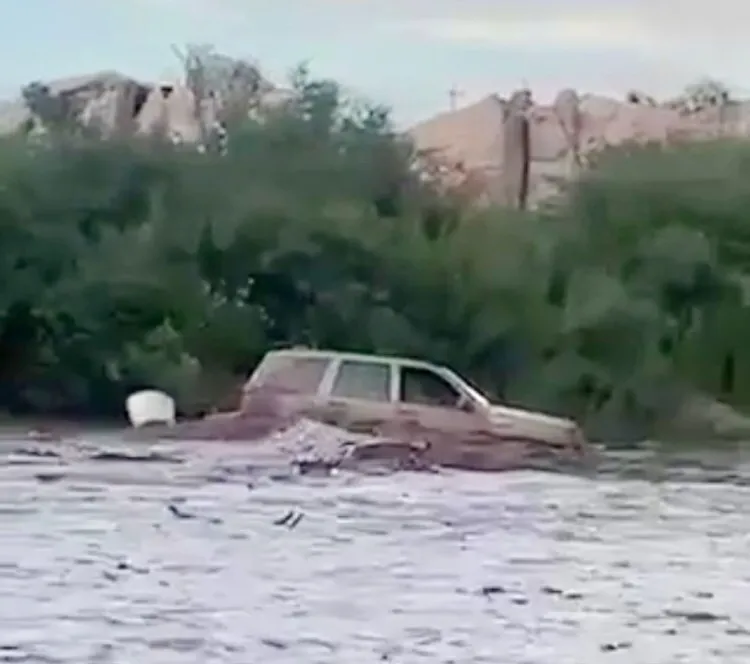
(176,511)
(37,453)
(696,616)
(49,477)
(291,519)
(181,514)
(149,457)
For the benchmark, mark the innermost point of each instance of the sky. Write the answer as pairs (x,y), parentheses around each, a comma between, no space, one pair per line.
(407,54)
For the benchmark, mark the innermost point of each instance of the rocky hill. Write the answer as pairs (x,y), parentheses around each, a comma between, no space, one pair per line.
(120,105)
(510,151)
(496,147)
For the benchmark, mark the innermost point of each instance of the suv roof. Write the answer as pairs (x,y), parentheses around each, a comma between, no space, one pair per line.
(361,357)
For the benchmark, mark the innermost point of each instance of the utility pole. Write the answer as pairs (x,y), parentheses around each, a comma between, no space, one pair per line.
(453,94)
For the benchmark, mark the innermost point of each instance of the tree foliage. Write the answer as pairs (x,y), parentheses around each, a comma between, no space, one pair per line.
(137,263)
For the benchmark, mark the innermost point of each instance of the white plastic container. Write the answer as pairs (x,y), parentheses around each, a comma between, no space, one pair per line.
(150,407)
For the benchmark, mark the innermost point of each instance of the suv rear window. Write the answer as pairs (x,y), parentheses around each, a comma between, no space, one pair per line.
(300,373)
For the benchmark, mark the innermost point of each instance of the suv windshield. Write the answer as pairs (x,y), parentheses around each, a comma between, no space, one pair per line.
(471,390)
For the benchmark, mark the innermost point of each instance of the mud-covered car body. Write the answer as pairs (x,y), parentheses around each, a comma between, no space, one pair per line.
(409,400)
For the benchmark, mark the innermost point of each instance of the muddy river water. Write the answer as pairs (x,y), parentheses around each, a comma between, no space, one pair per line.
(193,558)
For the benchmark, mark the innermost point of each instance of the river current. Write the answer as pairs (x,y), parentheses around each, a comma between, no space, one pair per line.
(191,557)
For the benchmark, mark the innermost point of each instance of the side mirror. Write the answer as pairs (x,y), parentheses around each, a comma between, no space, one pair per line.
(465,404)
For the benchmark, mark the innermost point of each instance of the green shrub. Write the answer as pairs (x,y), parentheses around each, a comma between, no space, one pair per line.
(137,263)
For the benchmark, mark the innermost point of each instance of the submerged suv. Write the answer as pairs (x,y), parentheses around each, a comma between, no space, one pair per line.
(372,392)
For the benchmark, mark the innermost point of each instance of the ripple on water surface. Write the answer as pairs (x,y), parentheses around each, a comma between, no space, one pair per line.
(122,566)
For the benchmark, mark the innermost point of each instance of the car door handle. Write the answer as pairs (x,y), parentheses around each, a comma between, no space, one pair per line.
(336,403)
(407,410)
(408,413)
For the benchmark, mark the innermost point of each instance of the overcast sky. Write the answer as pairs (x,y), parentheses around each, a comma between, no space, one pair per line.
(406,53)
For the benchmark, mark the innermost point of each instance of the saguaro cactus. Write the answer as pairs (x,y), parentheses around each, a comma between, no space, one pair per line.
(516,150)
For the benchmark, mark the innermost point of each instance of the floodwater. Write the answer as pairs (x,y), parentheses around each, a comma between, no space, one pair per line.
(195,558)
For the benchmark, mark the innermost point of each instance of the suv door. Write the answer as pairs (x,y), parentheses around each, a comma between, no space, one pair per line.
(359,397)
(424,396)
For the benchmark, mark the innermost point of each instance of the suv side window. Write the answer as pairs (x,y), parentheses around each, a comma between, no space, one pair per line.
(368,381)
(426,388)
(299,373)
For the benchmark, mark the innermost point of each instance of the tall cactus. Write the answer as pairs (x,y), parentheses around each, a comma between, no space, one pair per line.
(567,109)
(516,150)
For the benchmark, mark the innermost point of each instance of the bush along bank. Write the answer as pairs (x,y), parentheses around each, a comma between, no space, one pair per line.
(139,263)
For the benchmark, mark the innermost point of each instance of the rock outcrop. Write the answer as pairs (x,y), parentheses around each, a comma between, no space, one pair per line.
(514,151)
(478,143)
(703,418)
(115,104)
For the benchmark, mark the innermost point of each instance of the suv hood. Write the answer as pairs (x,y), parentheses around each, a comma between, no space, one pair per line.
(527,423)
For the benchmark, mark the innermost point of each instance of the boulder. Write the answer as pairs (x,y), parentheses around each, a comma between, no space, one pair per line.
(702,417)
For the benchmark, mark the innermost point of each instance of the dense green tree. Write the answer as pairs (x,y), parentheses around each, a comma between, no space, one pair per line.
(133,263)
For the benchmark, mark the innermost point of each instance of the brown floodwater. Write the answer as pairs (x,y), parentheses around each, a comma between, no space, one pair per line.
(196,555)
